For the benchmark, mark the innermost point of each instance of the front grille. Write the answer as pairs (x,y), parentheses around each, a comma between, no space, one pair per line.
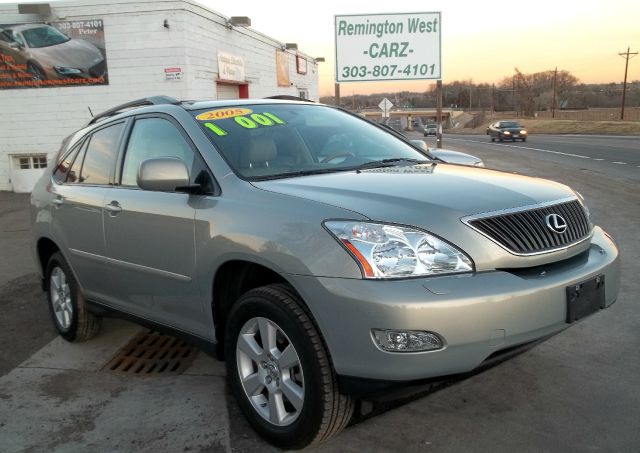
(526,232)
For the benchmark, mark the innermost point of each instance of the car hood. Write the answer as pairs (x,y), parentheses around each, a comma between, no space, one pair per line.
(433,197)
(75,53)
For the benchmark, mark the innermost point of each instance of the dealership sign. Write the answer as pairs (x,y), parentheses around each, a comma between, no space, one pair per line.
(67,53)
(230,67)
(388,47)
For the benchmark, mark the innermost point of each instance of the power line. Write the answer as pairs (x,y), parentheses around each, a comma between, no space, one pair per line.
(627,56)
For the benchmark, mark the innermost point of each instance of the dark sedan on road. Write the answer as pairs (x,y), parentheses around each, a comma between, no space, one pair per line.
(507,130)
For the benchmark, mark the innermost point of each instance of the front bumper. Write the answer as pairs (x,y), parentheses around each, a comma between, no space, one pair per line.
(477,314)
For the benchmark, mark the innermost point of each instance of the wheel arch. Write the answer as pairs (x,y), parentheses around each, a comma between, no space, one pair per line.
(234,278)
(45,248)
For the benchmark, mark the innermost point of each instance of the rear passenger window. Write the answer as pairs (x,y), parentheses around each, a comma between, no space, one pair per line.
(74,173)
(100,156)
(62,170)
(151,138)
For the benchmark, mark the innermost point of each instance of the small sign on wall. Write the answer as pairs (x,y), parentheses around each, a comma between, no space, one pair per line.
(230,67)
(301,64)
(282,68)
(172,74)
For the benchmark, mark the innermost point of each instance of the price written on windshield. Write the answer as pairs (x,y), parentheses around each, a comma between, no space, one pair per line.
(388,47)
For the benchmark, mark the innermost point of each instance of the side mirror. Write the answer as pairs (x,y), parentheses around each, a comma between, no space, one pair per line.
(420,144)
(15,45)
(163,174)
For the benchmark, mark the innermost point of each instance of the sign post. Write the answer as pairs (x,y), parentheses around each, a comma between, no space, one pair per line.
(385,106)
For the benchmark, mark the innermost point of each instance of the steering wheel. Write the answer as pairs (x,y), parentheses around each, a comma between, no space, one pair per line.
(336,155)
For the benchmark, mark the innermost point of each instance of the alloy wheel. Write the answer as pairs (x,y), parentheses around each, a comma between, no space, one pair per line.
(270,371)
(60,295)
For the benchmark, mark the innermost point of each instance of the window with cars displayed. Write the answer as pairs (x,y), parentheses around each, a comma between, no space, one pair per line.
(153,138)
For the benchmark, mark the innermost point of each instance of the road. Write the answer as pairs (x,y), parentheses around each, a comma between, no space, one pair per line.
(616,156)
(576,392)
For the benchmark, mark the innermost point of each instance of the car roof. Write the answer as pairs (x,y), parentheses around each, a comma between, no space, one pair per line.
(26,27)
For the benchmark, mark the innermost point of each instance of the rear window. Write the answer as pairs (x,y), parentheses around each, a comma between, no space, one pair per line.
(272,140)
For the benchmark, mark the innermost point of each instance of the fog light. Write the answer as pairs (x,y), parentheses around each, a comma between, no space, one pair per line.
(406,340)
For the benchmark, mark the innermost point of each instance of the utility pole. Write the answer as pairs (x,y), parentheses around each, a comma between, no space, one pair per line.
(626,55)
(513,93)
(493,99)
(439,113)
(553,102)
(337,88)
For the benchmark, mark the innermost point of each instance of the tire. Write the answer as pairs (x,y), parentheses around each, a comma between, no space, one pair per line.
(500,139)
(317,410)
(524,139)
(493,139)
(67,305)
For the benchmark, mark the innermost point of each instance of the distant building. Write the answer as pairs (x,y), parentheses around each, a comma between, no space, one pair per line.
(63,60)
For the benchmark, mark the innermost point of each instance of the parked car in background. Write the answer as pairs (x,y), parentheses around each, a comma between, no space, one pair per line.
(507,130)
(324,257)
(430,129)
(47,53)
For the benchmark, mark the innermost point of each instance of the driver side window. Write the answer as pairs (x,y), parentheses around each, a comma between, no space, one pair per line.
(152,138)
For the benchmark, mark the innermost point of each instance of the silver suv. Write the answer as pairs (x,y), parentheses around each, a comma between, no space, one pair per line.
(325,257)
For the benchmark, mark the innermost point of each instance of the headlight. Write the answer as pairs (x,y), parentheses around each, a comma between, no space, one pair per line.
(67,71)
(523,132)
(393,251)
(506,132)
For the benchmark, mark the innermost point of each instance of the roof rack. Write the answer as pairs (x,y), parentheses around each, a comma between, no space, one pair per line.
(287,97)
(153,100)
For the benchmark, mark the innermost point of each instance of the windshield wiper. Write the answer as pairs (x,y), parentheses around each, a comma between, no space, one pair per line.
(294,174)
(388,163)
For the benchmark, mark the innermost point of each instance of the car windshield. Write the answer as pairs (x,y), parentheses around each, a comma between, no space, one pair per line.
(267,141)
(509,124)
(43,37)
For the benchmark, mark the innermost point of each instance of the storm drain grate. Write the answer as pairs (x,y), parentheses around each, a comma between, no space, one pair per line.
(152,352)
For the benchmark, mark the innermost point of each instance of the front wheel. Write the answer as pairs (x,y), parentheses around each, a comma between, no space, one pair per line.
(37,73)
(279,370)
(67,305)
(524,139)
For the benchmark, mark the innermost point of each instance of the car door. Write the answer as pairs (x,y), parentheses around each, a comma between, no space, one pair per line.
(150,235)
(83,180)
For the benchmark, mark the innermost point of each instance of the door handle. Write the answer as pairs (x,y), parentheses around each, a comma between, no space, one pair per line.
(113,208)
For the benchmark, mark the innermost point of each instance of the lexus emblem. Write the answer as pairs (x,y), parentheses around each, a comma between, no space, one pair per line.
(556,223)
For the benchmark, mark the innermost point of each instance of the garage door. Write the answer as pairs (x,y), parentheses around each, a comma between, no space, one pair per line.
(226,91)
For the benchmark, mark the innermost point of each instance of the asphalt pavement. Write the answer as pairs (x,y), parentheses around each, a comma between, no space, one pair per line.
(577,392)
(612,155)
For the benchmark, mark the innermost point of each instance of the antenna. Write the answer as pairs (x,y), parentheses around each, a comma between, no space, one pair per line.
(90,111)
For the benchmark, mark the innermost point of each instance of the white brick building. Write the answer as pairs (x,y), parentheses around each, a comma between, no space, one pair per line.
(144,40)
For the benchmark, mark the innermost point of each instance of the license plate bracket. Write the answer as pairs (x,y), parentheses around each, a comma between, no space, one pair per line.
(585,298)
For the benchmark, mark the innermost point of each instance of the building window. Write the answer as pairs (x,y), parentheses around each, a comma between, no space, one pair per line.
(29,162)
(303,93)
